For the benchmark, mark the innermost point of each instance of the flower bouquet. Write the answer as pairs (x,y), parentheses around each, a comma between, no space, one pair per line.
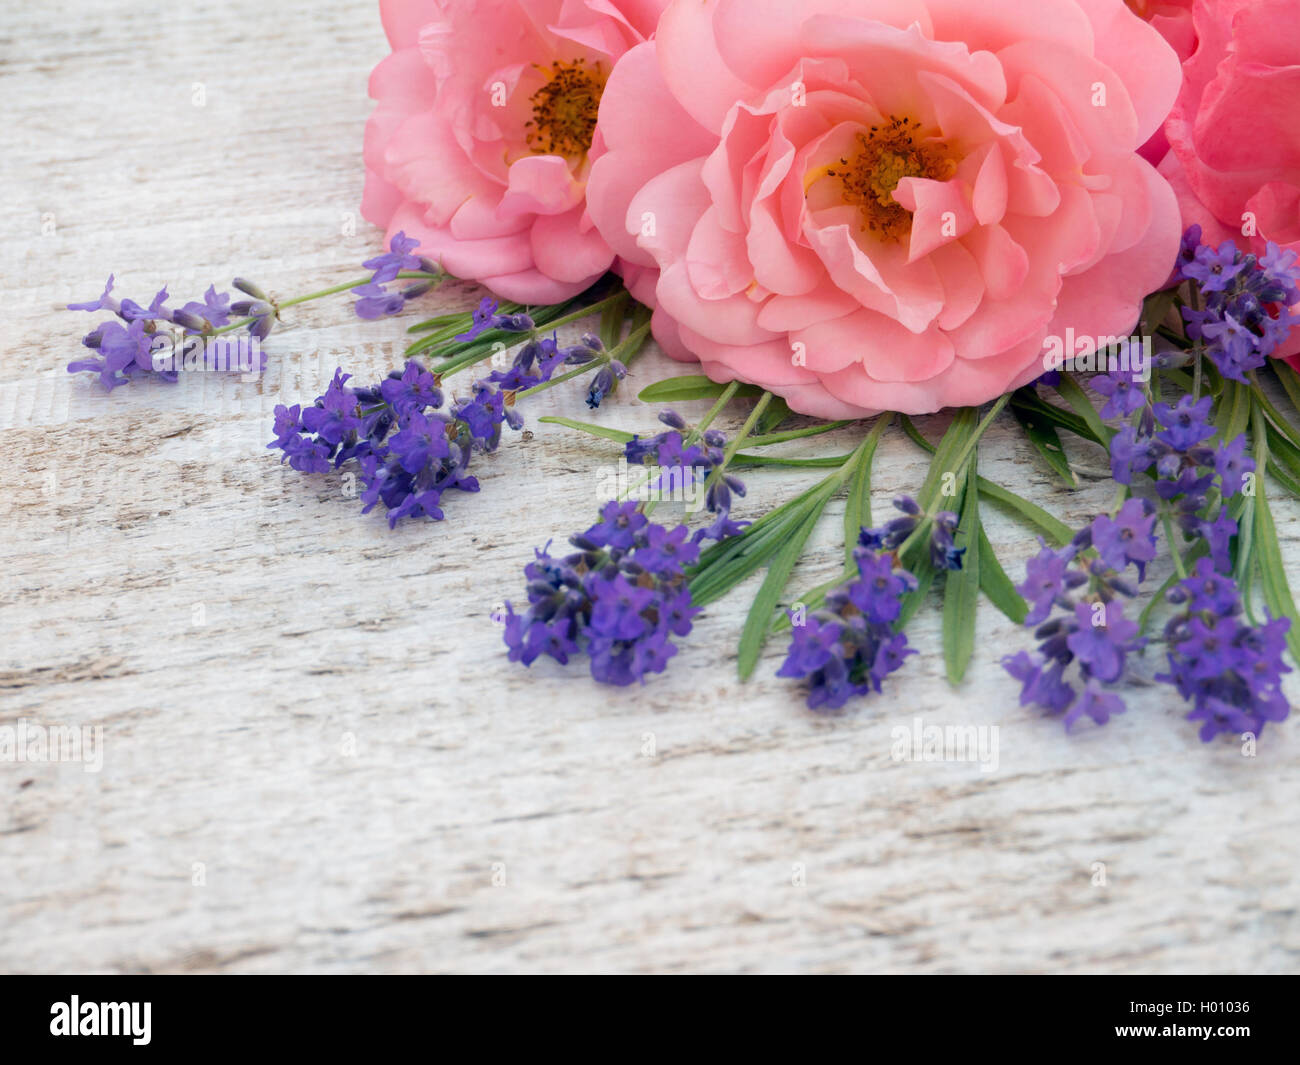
(1078,216)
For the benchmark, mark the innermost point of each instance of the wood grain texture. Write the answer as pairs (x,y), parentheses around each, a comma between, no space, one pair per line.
(367,783)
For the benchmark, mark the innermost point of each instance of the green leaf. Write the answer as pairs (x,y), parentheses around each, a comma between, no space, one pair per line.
(857,508)
(611,323)
(1233,413)
(1245,543)
(768,439)
(1272,570)
(689,387)
(778,411)
(1276,419)
(745,458)
(1289,380)
(1044,437)
(995,583)
(961,589)
(943,460)
(1056,531)
(1028,401)
(924,573)
(1287,479)
(716,574)
(1156,308)
(758,624)
(1069,390)
(586,427)
(439,323)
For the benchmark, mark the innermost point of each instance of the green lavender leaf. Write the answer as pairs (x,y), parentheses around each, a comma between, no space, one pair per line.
(1027,401)
(1277,421)
(724,566)
(1271,569)
(767,439)
(924,573)
(1069,390)
(857,508)
(689,387)
(1052,528)
(995,583)
(777,413)
(758,623)
(961,588)
(745,458)
(1232,415)
(611,322)
(587,427)
(1042,434)
(1289,380)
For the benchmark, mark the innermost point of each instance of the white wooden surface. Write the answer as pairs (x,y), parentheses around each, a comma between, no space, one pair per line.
(487,818)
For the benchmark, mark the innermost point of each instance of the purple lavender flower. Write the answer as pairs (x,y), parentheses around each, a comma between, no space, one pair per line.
(212,313)
(377,300)
(1232,464)
(1096,703)
(1130,454)
(620,599)
(603,383)
(1229,670)
(944,554)
(1087,581)
(126,347)
(1128,537)
(485,317)
(398,258)
(848,648)
(413,389)
(410,453)
(1247,302)
(1101,639)
(1045,583)
(1214,269)
(1124,394)
(1186,423)
(682,464)
(1218,535)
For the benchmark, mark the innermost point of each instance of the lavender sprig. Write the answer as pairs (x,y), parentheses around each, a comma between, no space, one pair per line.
(620,599)
(848,648)
(144,341)
(1228,669)
(410,452)
(1246,301)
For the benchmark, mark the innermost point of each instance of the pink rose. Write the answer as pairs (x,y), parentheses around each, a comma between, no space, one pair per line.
(1173,20)
(1235,159)
(887,204)
(479,143)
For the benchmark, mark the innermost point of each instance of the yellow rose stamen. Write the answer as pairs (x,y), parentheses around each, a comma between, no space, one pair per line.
(564,109)
(887,154)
